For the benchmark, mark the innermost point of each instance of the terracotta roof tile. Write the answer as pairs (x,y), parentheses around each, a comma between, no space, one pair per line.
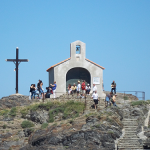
(57,64)
(94,63)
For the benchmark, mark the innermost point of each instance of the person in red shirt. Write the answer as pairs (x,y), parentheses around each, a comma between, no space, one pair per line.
(83,88)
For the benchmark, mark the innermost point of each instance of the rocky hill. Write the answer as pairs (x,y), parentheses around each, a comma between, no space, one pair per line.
(71,124)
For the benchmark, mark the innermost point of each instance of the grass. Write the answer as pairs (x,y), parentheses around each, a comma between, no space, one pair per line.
(140,102)
(126,98)
(44,125)
(70,109)
(4,112)
(13,111)
(27,124)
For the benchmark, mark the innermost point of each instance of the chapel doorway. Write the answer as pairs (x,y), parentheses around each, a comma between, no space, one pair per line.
(75,74)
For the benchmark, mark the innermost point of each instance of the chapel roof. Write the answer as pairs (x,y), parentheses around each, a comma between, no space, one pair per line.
(69,59)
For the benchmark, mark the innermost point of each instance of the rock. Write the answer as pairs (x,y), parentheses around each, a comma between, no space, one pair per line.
(39,116)
(27,132)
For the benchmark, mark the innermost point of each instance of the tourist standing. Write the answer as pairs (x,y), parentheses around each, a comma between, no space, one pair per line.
(94,88)
(113,87)
(54,88)
(88,89)
(41,90)
(83,88)
(78,89)
(95,99)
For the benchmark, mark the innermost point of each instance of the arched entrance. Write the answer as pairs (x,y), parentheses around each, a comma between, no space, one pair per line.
(75,74)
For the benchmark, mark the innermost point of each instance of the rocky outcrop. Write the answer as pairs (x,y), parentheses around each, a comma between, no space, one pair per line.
(14,100)
(98,131)
(72,130)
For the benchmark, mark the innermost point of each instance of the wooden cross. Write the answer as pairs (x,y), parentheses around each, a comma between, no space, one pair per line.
(17,61)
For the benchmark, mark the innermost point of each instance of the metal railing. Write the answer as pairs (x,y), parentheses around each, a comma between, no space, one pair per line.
(139,94)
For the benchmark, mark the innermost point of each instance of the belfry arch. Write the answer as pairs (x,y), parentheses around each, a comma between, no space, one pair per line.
(78,73)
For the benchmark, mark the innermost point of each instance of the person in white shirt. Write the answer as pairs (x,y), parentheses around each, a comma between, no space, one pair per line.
(78,89)
(88,89)
(94,88)
(95,99)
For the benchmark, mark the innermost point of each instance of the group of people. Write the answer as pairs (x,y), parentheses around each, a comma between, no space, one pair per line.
(111,97)
(81,89)
(39,91)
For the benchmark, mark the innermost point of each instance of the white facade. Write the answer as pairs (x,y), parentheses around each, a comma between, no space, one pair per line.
(59,71)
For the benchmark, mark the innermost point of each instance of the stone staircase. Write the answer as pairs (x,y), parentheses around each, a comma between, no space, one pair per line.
(130,141)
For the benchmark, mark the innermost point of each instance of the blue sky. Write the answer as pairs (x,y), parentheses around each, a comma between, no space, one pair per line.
(116,33)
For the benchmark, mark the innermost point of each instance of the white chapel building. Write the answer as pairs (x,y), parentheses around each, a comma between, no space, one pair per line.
(76,68)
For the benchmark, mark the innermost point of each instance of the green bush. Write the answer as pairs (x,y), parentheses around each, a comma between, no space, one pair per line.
(13,111)
(4,126)
(44,125)
(27,124)
(125,97)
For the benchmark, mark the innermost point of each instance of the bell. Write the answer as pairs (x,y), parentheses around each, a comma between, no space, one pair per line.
(77,49)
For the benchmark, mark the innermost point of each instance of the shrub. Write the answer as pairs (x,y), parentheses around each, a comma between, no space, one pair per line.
(27,124)
(4,126)
(125,97)
(44,125)
(13,111)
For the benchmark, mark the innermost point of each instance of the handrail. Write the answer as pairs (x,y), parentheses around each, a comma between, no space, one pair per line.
(136,94)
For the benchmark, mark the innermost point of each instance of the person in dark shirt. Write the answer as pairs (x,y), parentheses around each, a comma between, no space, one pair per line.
(32,90)
(48,93)
(113,87)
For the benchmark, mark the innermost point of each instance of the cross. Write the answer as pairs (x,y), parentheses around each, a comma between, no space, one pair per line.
(17,62)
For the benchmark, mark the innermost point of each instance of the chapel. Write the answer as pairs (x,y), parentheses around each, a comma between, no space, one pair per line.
(76,68)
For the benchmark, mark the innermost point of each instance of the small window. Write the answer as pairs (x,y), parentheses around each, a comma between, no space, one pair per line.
(78,49)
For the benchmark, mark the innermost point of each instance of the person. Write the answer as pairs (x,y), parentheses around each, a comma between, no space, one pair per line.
(48,93)
(113,87)
(38,88)
(107,100)
(32,90)
(114,100)
(78,89)
(88,89)
(54,88)
(74,88)
(95,99)
(83,88)
(69,89)
(94,88)
(41,90)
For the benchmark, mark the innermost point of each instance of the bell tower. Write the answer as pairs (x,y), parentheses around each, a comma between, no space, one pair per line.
(77,51)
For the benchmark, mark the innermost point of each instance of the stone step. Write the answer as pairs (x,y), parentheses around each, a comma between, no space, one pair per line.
(130,148)
(130,138)
(129,119)
(129,126)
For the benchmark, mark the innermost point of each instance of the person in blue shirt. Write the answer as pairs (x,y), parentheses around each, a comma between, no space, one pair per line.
(54,88)
(107,100)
